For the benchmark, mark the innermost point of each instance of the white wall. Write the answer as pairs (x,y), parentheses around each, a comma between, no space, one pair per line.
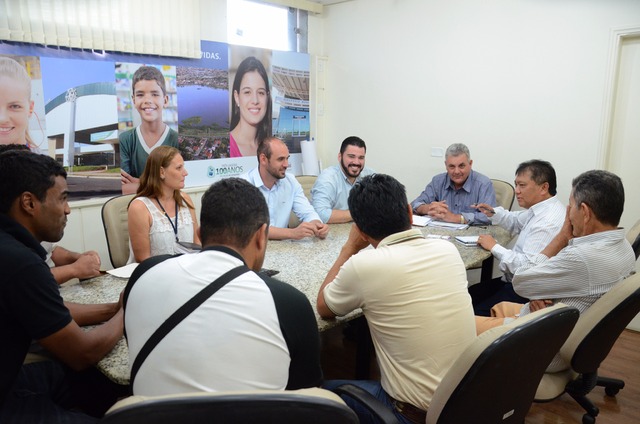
(514,80)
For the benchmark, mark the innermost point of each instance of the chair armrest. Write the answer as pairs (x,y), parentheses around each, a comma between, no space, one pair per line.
(366,399)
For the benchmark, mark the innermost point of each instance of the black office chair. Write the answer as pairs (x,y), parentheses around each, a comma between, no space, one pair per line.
(636,246)
(589,344)
(495,378)
(633,237)
(313,406)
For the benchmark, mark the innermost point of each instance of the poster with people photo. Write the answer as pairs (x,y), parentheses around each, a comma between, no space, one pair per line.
(220,105)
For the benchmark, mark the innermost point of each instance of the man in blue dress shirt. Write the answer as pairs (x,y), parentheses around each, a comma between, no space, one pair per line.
(283,194)
(331,190)
(450,196)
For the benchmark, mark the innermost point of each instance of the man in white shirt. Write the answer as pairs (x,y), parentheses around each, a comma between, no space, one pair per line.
(535,226)
(283,194)
(588,257)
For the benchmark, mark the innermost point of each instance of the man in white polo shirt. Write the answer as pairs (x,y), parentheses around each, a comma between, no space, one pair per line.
(412,291)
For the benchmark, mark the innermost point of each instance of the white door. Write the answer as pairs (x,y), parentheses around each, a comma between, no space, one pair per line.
(624,147)
(624,144)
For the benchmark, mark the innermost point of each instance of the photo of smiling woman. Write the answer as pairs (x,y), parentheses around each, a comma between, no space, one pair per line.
(250,108)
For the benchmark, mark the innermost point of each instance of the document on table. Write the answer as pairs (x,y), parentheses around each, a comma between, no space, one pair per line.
(421,220)
(123,271)
(470,241)
(450,225)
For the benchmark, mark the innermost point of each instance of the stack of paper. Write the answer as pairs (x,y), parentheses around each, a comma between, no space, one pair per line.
(468,240)
(421,220)
(450,225)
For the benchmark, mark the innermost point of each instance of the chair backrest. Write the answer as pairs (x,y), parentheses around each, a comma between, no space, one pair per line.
(307,182)
(114,221)
(495,379)
(505,193)
(633,237)
(600,326)
(298,406)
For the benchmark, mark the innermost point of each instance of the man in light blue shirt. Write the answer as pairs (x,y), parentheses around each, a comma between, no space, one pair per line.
(330,192)
(453,195)
(283,194)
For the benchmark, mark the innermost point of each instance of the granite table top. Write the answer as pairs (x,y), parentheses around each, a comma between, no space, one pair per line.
(301,263)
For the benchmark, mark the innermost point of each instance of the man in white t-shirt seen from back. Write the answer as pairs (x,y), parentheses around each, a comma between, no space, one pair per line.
(254,333)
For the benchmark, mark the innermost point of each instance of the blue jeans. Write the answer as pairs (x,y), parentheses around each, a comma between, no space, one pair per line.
(41,394)
(371,386)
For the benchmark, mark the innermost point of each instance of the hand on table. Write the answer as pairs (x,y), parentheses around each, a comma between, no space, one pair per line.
(87,265)
(486,241)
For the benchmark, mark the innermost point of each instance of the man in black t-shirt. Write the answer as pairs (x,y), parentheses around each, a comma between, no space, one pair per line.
(34,208)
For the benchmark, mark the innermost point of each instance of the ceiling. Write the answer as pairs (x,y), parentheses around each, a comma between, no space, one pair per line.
(328,2)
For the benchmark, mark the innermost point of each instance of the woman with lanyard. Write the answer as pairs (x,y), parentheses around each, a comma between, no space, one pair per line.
(162,219)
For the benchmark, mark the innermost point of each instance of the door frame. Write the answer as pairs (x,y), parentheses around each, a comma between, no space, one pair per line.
(611,84)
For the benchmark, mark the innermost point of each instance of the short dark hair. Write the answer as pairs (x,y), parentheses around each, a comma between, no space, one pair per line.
(232,211)
(148,73)
(22,171)
(379,207)
(265,147)
(541,172)
(7,147)
(352,141)
(603,192)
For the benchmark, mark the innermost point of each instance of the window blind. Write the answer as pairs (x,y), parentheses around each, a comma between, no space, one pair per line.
(156,27)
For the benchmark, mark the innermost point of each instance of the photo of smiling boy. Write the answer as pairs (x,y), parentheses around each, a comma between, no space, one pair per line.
(149,95)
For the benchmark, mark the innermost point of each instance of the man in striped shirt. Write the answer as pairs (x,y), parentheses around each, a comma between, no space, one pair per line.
(535,226)
(586,259)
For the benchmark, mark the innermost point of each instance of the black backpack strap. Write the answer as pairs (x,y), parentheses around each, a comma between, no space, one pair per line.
(180,314)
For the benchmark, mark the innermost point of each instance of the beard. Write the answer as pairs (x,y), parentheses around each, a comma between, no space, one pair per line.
(354,172)
(275,174)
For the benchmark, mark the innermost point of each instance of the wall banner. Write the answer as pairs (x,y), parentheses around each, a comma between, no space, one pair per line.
(83,101)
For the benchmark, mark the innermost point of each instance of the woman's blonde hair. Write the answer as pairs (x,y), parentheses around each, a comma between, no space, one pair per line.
(150,181)
(13,69)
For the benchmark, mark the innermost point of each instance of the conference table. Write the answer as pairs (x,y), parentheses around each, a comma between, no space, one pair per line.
(301,263)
